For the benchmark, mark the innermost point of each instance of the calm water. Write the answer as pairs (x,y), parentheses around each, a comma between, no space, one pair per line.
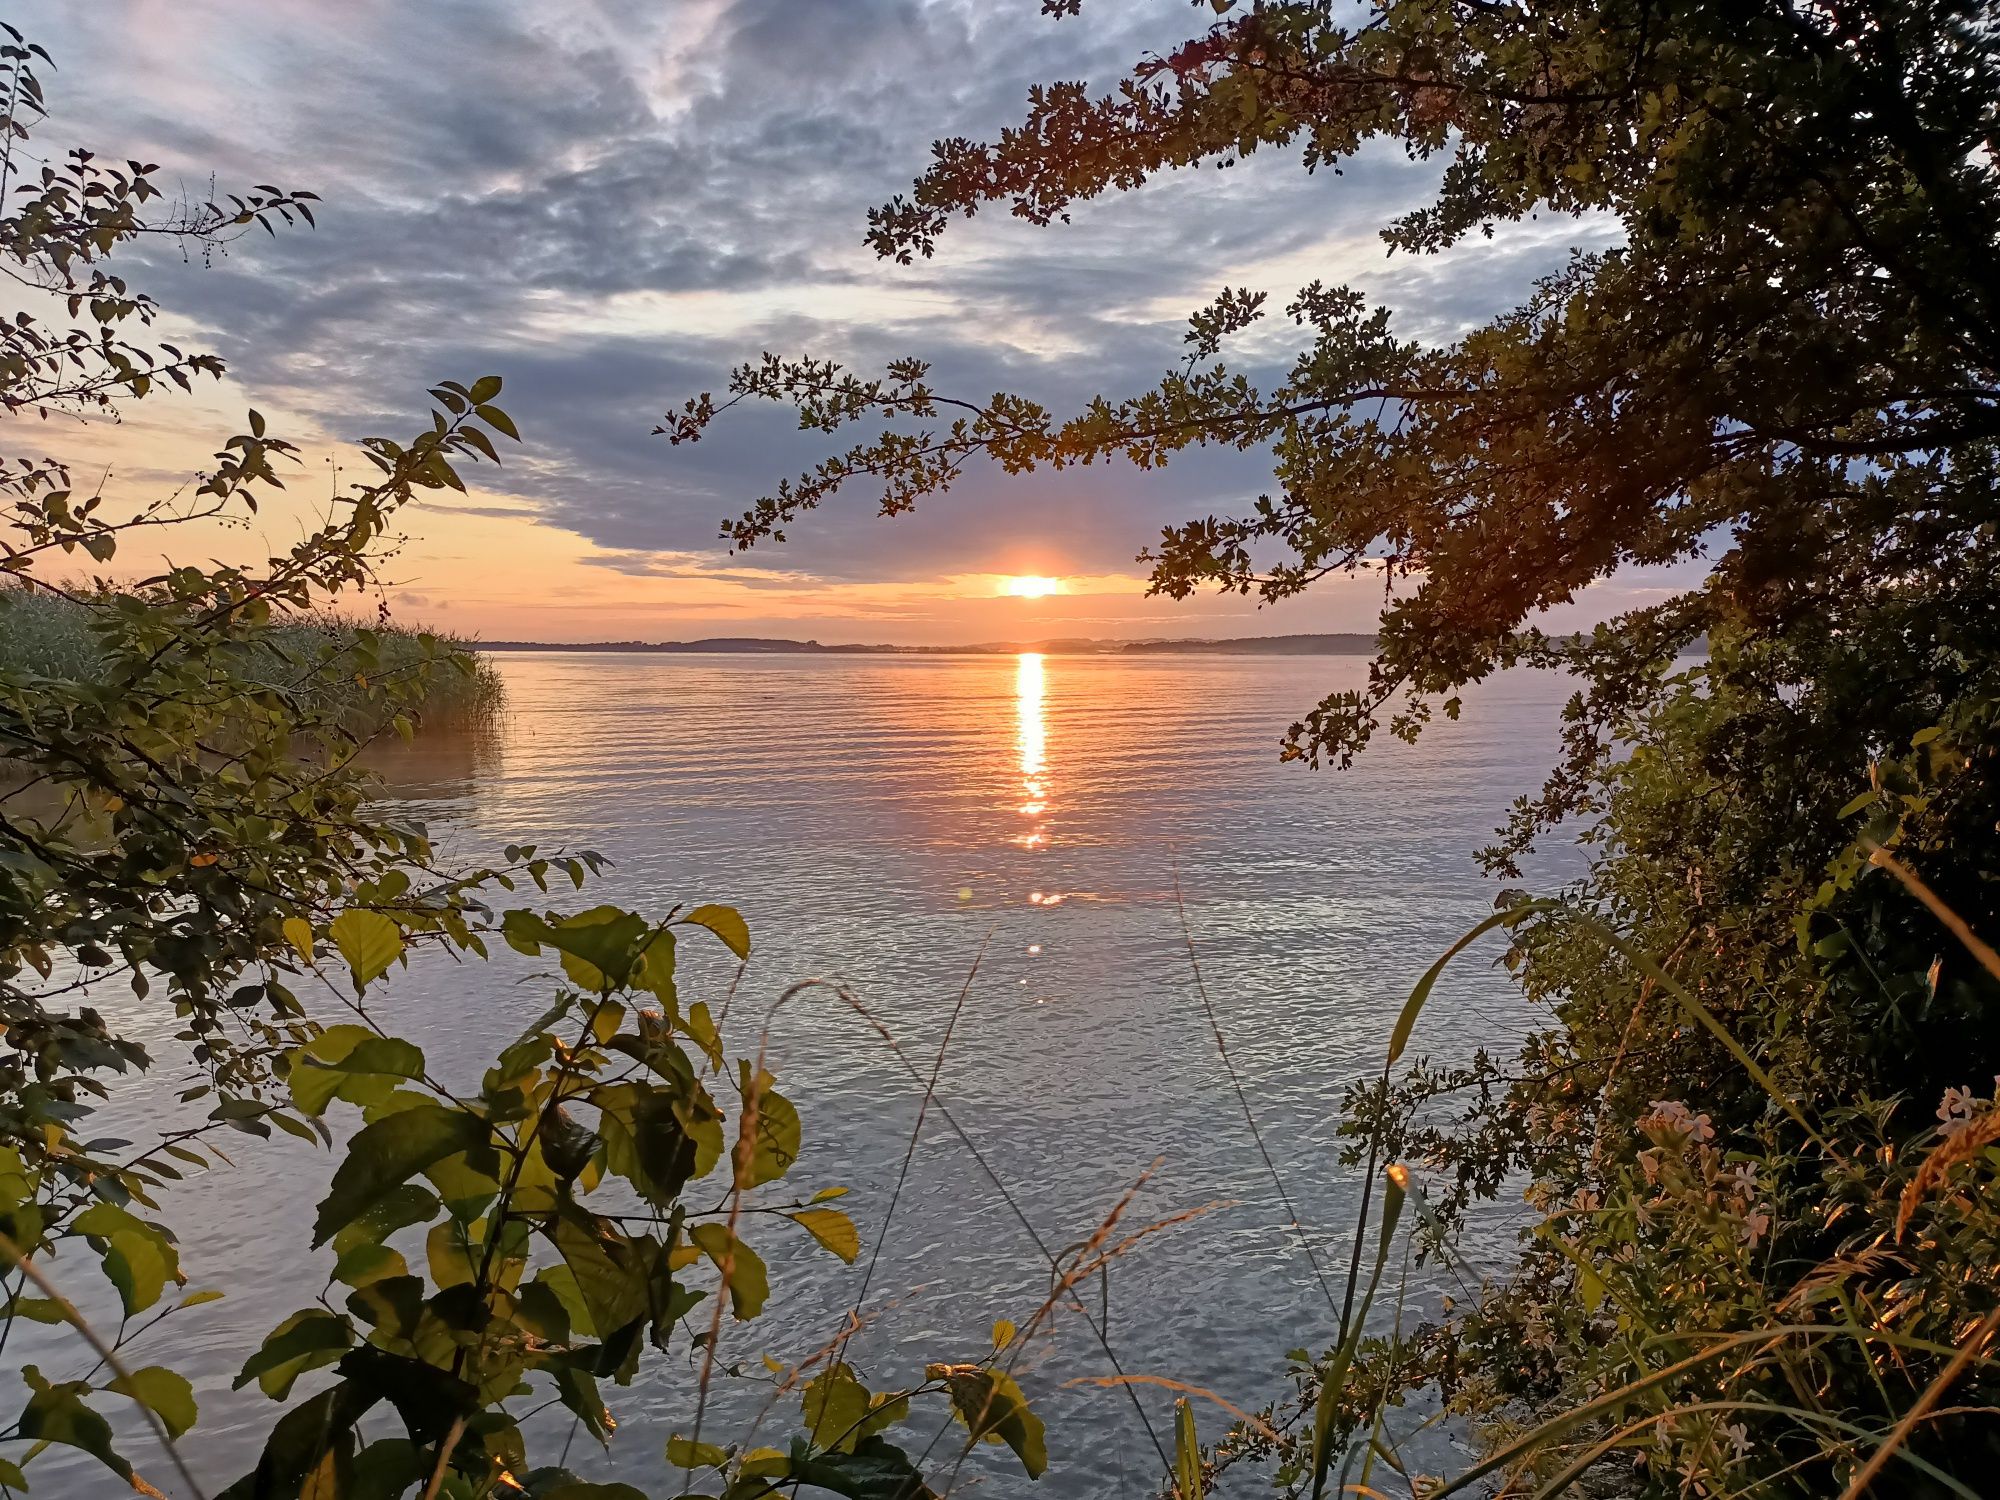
(878,819)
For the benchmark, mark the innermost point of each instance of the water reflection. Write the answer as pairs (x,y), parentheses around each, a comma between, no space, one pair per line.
(1033,734)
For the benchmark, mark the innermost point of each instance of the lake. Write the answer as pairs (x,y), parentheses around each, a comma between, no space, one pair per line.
(881,821)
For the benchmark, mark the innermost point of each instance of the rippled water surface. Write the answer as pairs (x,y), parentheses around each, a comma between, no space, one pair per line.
(883,821)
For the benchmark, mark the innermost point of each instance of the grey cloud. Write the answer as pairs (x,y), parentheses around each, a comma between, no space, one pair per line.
(491,166)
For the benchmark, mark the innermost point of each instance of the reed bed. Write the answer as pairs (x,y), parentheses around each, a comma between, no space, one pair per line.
(48,635)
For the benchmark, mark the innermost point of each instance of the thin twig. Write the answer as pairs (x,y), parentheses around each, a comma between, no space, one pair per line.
(451,1437)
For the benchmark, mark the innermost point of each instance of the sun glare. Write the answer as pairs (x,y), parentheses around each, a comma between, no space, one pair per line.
(1032,587)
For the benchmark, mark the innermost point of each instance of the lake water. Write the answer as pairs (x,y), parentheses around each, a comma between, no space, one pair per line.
(879,820)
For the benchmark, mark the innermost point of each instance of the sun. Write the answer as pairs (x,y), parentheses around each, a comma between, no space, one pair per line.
(1031,587)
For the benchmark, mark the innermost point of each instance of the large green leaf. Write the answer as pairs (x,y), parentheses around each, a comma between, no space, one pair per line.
(840,1411)
(139,1258)
(875,1470)
(609,1273)
(599,947)
(352,1063)
(1187,1453)
(304,1341)
(385,1155)
(742,1268)
(776,1146)
(727,923)
(832,1228)
(369,941)
(166,1394)
(314,1438)
(993,1410)
(396,1209)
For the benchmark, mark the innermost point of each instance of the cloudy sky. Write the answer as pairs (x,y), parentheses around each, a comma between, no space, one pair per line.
(609,202)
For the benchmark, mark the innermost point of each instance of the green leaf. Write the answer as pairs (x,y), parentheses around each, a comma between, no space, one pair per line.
(138,1266)
(1406,1021)
(577,1390)
(840,1411)
(369,941)
(397,1209)
(1334,1380)
(166,1394)
(352,1063)
(599,947)
(835,1405)
(776,1146)
(385,1155)
(742,1268)
(685,1453)
(993,1410)
(313,1439)
(366,1264)
(305,1341)
(497,419)
(831,1228)
(606,1267)
(875,1470)
(727,923)
(139,1259)
(56,1414)
(1187,1453)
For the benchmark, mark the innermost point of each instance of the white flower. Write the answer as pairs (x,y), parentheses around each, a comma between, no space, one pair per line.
(1954,1110)
(1756,1225)
(1670,1114)
(1743,1179)
(1738,1438)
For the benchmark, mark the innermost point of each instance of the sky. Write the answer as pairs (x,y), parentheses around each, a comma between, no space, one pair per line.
(609,203)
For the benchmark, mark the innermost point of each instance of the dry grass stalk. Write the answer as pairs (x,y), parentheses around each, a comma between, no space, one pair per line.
(1962,1145)
(1185,1389)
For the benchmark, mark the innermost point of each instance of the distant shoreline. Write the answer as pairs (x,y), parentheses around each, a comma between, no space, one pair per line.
(1256,645)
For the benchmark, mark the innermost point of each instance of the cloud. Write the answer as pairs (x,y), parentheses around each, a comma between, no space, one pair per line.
(609,202)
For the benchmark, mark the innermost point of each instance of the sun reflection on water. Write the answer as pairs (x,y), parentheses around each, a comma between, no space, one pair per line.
(1033,735)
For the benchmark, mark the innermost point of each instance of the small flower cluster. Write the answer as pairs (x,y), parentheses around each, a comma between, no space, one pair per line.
(1959,1107)
(1684,1140)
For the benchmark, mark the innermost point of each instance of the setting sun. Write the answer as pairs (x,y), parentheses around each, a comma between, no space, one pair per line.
(1032,587)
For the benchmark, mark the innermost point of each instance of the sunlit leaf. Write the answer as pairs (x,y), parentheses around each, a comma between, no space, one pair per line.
(831,1228)
(727,923)
(369,941)
(167,1394)
(993,1410)
(742,1268)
